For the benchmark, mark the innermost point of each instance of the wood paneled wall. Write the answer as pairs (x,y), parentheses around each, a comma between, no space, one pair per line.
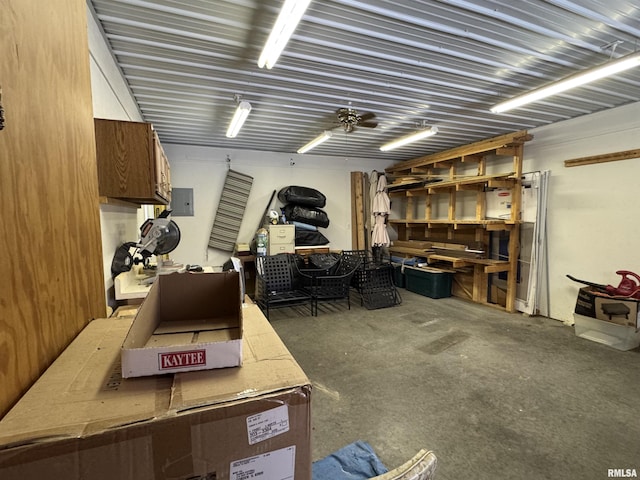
(51,282)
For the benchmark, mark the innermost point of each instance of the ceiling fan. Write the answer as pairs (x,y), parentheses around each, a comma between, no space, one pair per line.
(349,118)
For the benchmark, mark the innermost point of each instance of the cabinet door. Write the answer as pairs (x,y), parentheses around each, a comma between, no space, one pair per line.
(126,155)
(162,178)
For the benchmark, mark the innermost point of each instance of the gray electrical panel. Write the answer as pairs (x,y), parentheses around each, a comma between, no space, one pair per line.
(182,202)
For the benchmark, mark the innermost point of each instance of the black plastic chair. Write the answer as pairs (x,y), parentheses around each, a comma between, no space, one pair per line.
(366,263)
(332,287)
(373,280)
(279,284)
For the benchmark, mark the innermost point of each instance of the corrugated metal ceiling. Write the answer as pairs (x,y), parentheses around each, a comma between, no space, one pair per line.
(442,63)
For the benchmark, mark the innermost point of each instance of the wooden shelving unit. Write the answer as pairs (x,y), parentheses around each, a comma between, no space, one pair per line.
(468,171)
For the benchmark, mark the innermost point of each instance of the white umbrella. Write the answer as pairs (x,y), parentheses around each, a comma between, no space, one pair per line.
(373,188)
(380,236)
(380,210)
(381,203)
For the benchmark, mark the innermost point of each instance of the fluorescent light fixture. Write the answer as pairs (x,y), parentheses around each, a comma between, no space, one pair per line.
(575,80)
(242,112)
(414,137)
(290,14)
(326,135)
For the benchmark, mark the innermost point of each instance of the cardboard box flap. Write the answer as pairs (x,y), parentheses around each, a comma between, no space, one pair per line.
(139,332)
(199,325)
(186,302)
(84,392)
(267,367)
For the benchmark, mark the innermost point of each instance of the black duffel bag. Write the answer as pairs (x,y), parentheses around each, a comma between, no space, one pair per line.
(308,215)
(307,238)
(306,196)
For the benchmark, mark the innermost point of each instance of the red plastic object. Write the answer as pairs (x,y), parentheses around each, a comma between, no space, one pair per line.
(629,285)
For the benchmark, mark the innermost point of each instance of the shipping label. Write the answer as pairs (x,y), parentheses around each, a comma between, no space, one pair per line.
(276,465)
(269,424)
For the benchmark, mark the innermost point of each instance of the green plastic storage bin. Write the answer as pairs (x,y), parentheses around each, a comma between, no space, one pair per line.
(429,283)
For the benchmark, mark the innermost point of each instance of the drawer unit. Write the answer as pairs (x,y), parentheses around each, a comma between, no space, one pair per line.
(282,239)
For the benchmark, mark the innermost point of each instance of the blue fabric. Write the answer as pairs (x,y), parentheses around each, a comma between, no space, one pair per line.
(356,461)
(305,226)
(406,261)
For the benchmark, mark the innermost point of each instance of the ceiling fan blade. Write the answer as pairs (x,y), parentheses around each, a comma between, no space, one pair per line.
(368,124)
(367,116)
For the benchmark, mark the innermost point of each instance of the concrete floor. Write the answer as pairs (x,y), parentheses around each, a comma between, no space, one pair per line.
(494,395)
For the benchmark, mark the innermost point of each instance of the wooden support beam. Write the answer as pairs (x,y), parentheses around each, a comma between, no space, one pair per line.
(504,267)
(501,183)
(512,276)
(470,188)
(607,157)
(506,151)
(476,157)
(357,211)
(480,284)
(496,227)
(463,288)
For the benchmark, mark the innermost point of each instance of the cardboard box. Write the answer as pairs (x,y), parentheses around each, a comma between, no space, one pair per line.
(82,420)
(498,203)
(618,310)
(188,321)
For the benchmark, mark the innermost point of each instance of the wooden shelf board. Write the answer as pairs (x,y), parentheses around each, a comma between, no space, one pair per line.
(410,251)
(430,269)
(456,262)
(498,179)
(469,181)
(447,222)
(490,266)
(488,145)
(418,244)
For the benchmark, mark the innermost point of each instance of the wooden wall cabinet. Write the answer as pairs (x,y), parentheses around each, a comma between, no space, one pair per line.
(433,216)
(132,165)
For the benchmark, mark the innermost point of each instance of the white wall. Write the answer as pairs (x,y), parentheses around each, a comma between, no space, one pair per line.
(204,170)
(592,229)
(592,211)
(111,99)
